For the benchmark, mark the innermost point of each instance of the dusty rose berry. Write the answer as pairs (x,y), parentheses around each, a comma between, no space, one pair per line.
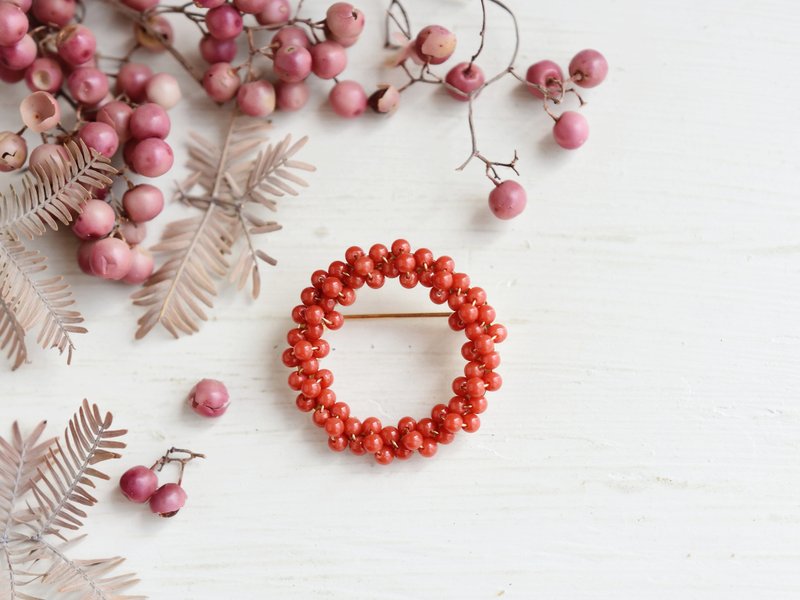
(132,80)
(95,221)
(140,5)
(274,12)
(348,99)
(152,157)
(208,3)
(10,75)
(149,120)
(250,7)
(435,44)
(138,484)
(291,36)
(164,90)
(87,85)
(53,12)
(19,56)
(40,111)
(328,59)
(143,202)
(588,68)
(168,500)
(84,256)
(76,44)
(13,24)
(343,20)
(546,74)
(209,398)
(44,74)
(100,137)
(160,32)
(466,78)
(221,82)
(571,130)
(110,259)
(13,151)
(44,154)
(142,266)
(385,99)
(214,51)
(291,96)
(292,63)
(116,114)
(256,98)
(224,22)
(507,200)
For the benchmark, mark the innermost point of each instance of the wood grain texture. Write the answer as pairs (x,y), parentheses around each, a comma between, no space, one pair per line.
(646,442)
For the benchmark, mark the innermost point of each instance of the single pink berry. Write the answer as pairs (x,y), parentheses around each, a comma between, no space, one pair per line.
(348,99)
(274,12)
(134,233)
(54,12)
(160,32)
(87,85)
(13,151)
(152,157)
(84,256)
(435,44)
(149,120)
(24,5)
(507,200)
(138,484)
(168,500)
(214,51)
(291,96)
(132,80)
(44,74)
(208,3)
(251,7)
(19,56)
(13,24)
(100,137)
(76,44)
(328,59)
(548,75)
(95,221)
(164,90)
(385,99)
(291,36)
(256,98)
(224,22)
(209,398)
(466,78)
(588,68)
(143,202)
(343,20)
(221,82)
(140,5)
(571,130)
(292,63)
(40,111)
(142,266)
(44,154)
(110,259)
(10,75)
(117,114)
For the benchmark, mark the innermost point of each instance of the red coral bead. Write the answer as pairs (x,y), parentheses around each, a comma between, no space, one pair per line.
(390,436)
(375,280)
(352,426)
(426,277)
(453,422)
(491,361)
(475,387)
(305,404)
(364,266)
(384,456)
(484,344)
(357,447)
(334,320)
(299,314)
(402,453)
(314,332)
(445,437)
(337,444)
(373,443)
(371,425)
(438,296)
(493,381)
(321,348)
(326,398)
(428,447)
(400,246)
(294,336)
(458,405)
(320,417)
(303,350)
(412,440)
(347,296)
(313,315)
(325,377)
(472,422)
(455,322)
(476,296)
(352,254)
(337,269)
(334,427)
(438,413)
(426,427)
(468,351)
(473,330)
(310,366)
(378,252)
(443,280)
(288,358)
(498,332)
(332,287)
(318,277)
(311,388)
(444,263)
(486,314)
(461,281)
(478,405)
(309,296)
(460,386)
(468,313)
(296,380)
(455,300)
(405,262)
(409,280)
(474,369)
(342,410)
(405,425)
(424,258)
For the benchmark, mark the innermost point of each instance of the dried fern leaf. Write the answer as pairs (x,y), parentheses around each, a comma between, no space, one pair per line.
(52,192)
(38,301)
(87,579)
(12,336)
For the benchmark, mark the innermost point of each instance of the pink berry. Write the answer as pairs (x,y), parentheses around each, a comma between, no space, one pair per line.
(348,99)
(13,24)
(24,5)
(213,50)
(95,221)
(160,32)
(117,114)
(40,111)
(19,56)
(44,74)
(328,59)
(100,137)
(149,120)
(208,3)
(571,130)
(143,202)
(140,5)
(221,82)
(385,100)
(209,398)
(142,266)
(10,75)
(13,151)
(292,63)
(224,22)
(343,20)
(168,500)
(138,484)
(152,157)
(127,153)
(251,7)
(110,259)
(164,90)
(84,256)
(54,12)
(291,36)
(76,44)
(274,12)
(256,98)
(546,74)
(291,96)
(588,68)
(134,233)
(132,80)
(87,85)
(44,154)
(507,200)
(466,78)
(435,44)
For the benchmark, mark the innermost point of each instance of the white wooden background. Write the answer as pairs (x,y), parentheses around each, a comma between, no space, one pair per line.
(646,443)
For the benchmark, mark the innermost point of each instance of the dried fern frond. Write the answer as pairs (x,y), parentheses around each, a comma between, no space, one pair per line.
(37,301)
(12,336)
(232,184)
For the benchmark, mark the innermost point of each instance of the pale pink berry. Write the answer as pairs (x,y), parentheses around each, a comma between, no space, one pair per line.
(100,137)
(274,12)
(138,484)
(256,98)
(208,3)
(588,68)
(385,100)
(84,256)
(95,221)
(134,233)
(328,59)
(76,44)
(164,90)
(40,111)
(149,120)
(13,151)
(142,266)
(127,153)
(251,7)
(291,96)
(24,5)
(221,82)
(214,51)
(44,154)
(117,114)
(45,75)
(435,44)
(162,33)
(87,85)
(209,398)
(54,12)
(224,22)
(466,78)
(140,5)
(348,99)
(143,202)
(13,24)
(291,36)
(168,500)
(344,42)
(343,20)
(152,157)
(19,56)
(132,80)
(292,63)
(507,200)
(571,130)
(547,75)
(111,258)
